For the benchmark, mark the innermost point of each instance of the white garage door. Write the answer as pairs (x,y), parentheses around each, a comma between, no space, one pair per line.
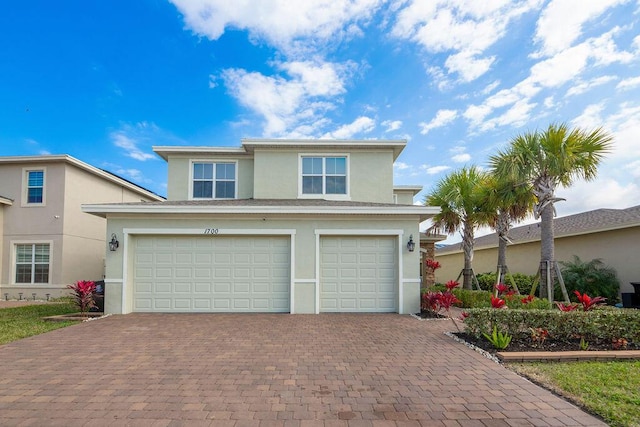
(358,274)
(211,273)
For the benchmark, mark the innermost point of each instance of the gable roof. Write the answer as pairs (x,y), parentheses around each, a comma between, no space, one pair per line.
(250,144)
(261,206)
(583,223)
(65,158)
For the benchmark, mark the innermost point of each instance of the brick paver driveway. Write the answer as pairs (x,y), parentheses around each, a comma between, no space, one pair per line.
(265,370)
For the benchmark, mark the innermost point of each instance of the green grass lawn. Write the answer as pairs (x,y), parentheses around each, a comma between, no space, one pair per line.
(22,322)
(609,389)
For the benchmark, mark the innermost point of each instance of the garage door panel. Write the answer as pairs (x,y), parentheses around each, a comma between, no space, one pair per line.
(358,273)
(211,274)
(202,288)
(203,258)
(162,288)
(202,304)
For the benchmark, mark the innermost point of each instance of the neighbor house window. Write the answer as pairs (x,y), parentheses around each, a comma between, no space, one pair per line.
(32,263)
(214,180)
(35,186)
(324,175)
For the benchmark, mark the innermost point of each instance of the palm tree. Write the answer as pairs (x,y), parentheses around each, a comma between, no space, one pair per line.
(460,199)
(505,202)
(544,160)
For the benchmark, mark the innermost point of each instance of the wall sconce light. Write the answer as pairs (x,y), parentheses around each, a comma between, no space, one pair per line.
(113,244)
(411,245)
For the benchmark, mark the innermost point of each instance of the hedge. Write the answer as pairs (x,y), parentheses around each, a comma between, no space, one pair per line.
(600,325)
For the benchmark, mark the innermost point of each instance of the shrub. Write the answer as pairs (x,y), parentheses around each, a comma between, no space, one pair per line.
(593,278)
(524,282)
(82,292)
(480,299)
(600,325)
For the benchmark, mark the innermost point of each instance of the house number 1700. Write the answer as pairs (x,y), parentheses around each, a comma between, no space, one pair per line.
(211,231)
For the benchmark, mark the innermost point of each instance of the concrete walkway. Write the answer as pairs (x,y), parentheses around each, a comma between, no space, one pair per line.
(265,370)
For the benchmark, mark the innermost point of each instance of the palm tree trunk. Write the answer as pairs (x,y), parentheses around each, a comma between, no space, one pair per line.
(502,227)
(467,248)
(547,256)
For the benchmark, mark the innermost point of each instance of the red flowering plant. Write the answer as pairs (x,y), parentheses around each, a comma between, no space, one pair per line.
(451,284)
(587,302)
(438,301)
(501,288)
(497,302)
(432,264)
(82,292)
(566,307)
(527,299)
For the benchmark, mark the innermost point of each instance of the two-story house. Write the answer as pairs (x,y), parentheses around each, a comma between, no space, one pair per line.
(46,241)
(299,226)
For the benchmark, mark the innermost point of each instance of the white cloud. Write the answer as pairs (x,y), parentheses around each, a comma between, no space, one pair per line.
(400,166)
(561,22)
(213,81)
(604,192)
(590,116)
(629,83)
(461,158)
(466,29)
(288,103)
(282,24)
(550,73)
(362,124)
(131,137)
(490,87)
(392,125)
(433,170)
(467,65)
(442,118)
(583,87)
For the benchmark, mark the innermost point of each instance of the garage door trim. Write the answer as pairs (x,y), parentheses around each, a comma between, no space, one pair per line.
(355,232)
(212,232)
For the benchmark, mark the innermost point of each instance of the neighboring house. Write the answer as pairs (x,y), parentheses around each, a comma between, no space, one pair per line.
(610,234)
(46,241)
(299,226)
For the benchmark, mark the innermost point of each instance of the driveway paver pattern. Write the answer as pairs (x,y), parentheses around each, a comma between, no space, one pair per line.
(265,370)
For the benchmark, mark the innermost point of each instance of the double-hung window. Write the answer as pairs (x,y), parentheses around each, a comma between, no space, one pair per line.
(35,187)
(324,175)
(32,262)
(214,180)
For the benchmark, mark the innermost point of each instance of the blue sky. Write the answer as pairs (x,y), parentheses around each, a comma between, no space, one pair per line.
(103,81)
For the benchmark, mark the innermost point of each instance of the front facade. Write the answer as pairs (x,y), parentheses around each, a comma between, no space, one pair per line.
(292,226)
(46,241)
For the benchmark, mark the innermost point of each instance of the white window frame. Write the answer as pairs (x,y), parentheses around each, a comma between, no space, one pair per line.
(25,186)
(14,261)
(323,195)
(213,193)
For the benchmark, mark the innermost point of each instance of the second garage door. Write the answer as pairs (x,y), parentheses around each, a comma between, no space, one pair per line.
(211,274)
(358,274)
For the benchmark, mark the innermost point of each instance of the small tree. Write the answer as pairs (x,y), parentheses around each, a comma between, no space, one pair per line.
(459,197)
(542,160)
(82,292)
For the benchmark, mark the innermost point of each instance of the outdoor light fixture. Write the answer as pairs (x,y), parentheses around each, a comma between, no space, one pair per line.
(113,244)
(411,245)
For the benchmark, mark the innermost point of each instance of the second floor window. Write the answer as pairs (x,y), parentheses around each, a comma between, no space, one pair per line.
(324,175)
(35,187)
(214,180)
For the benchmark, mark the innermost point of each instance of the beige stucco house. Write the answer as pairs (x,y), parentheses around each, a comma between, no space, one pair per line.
(610,234)
(46,241)
(296,226)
